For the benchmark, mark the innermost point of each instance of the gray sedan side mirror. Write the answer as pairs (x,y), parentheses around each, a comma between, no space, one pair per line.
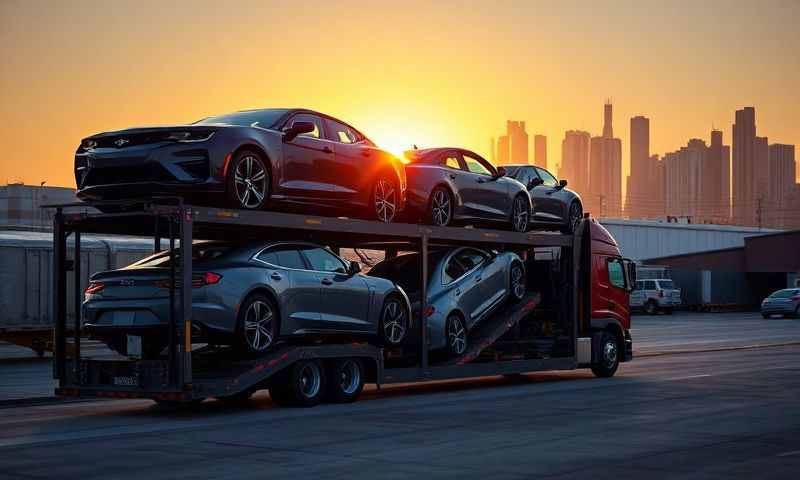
(562,183)
(535,182)
(354,268)
(297,128)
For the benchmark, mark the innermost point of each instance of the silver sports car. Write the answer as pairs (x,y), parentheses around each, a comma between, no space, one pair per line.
(248,295)
(465,285)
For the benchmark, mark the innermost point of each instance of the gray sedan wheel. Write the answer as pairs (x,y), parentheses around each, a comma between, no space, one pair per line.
(394,321)
(384,199)
(456,331)
(573,218)
(441,207)
(258,324)
(520,211)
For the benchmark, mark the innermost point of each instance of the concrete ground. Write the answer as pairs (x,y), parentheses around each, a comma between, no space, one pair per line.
(731,413)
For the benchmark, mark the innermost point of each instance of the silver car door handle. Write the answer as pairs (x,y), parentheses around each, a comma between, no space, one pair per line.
(458,292)
(327,281)
(480,180)
(275,276)
(327,150)
(478,278)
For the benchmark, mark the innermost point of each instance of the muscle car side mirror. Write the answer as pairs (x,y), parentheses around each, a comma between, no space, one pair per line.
(535,182)
(353,268)
(297,128)
(562,183)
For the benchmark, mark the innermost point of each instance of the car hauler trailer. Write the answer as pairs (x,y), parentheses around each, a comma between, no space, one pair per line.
(570,317)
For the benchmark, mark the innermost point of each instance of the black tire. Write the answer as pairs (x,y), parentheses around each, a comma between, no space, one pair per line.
(345,380)
(574,216)
(248,175)
(303,385)
(440,207)
(517,282)
(394,321)
(520,214)
(384,199)
(256,330)
(650,307)
(609,356)
(456,336)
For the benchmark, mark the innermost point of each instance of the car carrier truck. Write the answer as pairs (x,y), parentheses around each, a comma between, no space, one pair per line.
(575,313)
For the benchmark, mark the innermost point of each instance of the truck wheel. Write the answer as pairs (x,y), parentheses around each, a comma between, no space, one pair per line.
(456,331)
(345,380)
(303,386)
(650,307)
(609,356)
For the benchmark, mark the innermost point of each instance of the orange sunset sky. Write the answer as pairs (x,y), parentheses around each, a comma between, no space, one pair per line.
(430,73)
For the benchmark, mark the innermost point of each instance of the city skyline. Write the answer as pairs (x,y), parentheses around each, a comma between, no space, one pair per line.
(76,73)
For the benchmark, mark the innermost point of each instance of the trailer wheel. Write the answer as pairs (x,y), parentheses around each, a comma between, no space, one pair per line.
(345,380)
(303,386)
(609,356)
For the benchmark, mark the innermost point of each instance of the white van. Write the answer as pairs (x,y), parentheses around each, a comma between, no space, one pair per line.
(654,295)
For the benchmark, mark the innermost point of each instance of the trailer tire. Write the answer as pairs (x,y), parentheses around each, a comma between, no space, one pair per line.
(609,356)
(345,380)
(303,385)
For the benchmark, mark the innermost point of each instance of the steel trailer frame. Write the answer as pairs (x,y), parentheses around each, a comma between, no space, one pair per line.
(171,218)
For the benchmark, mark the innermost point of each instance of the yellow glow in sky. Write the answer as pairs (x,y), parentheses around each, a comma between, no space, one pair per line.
(430,73)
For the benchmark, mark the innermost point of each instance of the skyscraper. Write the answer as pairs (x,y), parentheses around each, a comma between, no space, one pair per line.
(641,178)
(513,146)
(540,150)
(684,181)
(717,187)
(743,167)
(783,211)
(575,160)
(605,171)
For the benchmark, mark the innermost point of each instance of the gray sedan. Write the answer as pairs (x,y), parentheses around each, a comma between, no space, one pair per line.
(465,286)
(784,302)
(248,295)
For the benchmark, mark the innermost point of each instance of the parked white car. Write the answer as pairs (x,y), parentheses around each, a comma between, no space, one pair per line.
(655,295)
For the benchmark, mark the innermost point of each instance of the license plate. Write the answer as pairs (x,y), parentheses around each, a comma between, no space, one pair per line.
(126,381)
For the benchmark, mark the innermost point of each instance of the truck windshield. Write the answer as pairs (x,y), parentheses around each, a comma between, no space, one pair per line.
(666,284)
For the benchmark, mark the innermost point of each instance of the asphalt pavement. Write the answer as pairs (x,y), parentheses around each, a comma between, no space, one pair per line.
(726,407)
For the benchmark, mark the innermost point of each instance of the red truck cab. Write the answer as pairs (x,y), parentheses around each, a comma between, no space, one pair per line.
(610,280)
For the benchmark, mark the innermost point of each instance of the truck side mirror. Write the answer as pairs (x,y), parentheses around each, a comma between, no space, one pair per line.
(630,271)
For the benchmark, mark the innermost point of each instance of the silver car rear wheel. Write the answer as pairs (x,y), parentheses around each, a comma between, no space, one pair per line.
(441,207)
(385,201)
(258,324)
(456,335)
(517,281)
(250,180)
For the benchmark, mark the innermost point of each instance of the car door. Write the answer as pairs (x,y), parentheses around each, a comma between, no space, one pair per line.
(611,299)
(462,274)
(547,201)
(297,289)
(458,176)
(486,196)
(306,159)
(347,173)
(345,298)
(490,277)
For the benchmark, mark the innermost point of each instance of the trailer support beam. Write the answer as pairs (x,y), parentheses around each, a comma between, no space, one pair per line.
(59,294)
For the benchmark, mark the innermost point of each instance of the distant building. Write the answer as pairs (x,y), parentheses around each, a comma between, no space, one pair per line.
(575,160)
(513,146)
(642,175)
(782,208)
(605,171)
(20,205)
(744,168)
(540,150)
(684,180)
(716,171)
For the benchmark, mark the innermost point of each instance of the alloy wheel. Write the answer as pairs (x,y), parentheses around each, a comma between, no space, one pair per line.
(457,335)
(441,208)
(394,321)
(517,281)
(385,200)
(520,215)
(250,182)
(258,326)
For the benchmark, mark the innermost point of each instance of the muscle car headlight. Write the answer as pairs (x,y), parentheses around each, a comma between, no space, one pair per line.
(191,136)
